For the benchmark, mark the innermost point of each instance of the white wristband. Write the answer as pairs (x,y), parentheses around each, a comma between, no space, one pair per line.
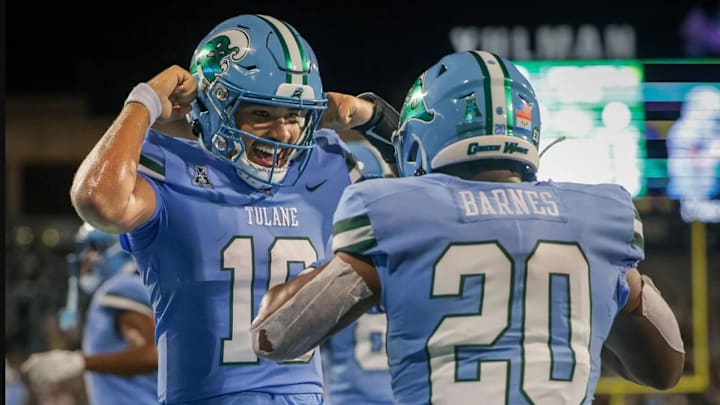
(145,95)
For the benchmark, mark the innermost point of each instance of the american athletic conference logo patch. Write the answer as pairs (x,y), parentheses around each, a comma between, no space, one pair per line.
(201,178)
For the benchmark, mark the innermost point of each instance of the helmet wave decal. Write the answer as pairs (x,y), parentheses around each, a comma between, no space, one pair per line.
(414,106)
(212,60)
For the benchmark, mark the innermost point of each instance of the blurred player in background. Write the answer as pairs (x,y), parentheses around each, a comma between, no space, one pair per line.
(355,364)
(693,145)
(498,288)
(118,356)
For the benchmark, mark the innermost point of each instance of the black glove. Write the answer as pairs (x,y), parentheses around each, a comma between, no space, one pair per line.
(379,129)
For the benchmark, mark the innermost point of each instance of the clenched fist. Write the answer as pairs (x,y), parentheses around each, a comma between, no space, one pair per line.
(345,111)
(176,89)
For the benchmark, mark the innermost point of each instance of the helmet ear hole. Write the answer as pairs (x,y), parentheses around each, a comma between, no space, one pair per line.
(412,155)
(526,99)
(442,70)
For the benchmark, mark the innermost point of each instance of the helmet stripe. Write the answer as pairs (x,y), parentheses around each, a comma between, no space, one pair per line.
(509,108)
(295,58)
(495,72)
(487,96)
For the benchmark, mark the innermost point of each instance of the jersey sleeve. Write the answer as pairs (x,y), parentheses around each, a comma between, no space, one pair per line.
(352,230)
(632,225)
(615,225)
(152,167)
(636,253)
(127,293)
(638,241)
(620,235)
(152,157)
(366,220)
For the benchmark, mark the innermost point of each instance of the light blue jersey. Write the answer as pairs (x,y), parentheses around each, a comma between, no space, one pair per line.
(355,363)
(495,292)
(212,249)
(122,292)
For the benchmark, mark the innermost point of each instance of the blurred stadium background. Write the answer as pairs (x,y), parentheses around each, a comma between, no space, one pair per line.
(616,78)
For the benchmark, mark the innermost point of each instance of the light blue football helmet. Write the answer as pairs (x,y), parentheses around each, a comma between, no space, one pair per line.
(468,106)
(258,59)
(99,256)
(370,159)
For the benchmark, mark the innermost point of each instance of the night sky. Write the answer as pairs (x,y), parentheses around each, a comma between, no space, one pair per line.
(101,50)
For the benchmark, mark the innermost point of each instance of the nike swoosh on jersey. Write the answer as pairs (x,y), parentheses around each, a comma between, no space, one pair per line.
(315,187)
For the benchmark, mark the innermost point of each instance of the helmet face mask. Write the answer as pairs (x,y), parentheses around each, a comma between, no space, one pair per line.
(261,60)
(469,106)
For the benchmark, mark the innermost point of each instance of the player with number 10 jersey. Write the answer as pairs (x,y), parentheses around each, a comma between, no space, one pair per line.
(207,274)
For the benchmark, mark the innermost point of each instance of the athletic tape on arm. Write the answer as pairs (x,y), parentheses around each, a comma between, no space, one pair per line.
(659,314)
(305,319)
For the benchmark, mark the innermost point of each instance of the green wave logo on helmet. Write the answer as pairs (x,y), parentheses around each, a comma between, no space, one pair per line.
(414,106)
(212,59)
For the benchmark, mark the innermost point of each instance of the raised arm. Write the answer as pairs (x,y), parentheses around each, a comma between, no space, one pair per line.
(644,345)
(106,191)
(368,114)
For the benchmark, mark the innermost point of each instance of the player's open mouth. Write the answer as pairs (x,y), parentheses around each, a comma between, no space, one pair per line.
(263,155)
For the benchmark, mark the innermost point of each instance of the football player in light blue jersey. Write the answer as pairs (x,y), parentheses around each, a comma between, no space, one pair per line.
(355,364)
(118,356)
(213,223)
(498,289)
(693,145)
